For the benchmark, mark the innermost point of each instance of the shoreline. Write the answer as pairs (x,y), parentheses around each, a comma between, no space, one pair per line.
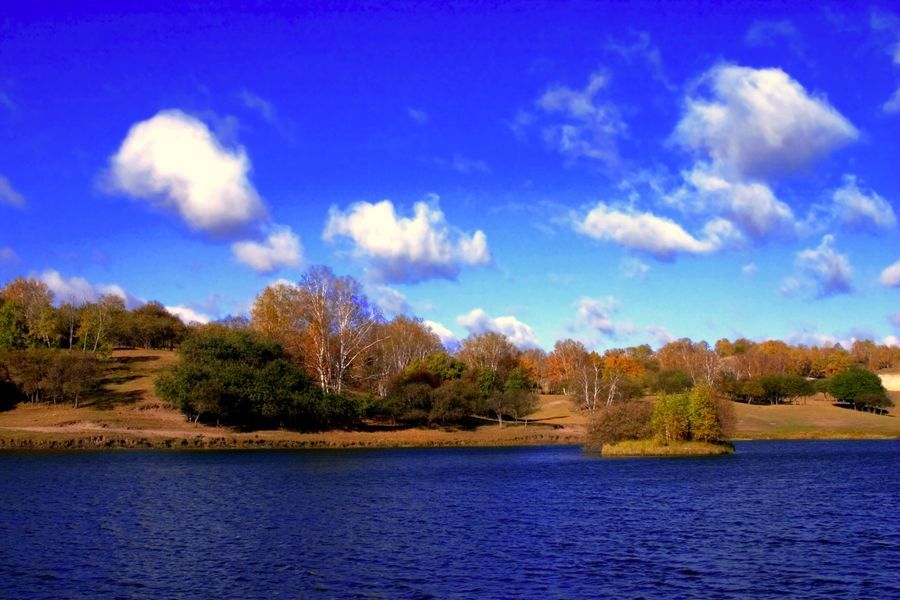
(339,440)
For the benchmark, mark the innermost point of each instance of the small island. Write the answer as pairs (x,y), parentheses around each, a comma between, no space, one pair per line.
(693,423)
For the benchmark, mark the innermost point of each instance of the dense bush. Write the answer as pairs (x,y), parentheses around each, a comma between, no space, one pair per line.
(860,387)
(48,375)
(692,416)
(622,421)
(766,389)
(240,378)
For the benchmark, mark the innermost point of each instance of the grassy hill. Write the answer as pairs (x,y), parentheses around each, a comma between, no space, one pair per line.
(127,413)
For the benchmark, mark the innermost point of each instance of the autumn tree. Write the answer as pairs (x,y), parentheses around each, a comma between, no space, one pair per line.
(98,322)
(502,382)
(35,301)
(563,363)
(325,320)
(401,342)
(277,314)
(697,359)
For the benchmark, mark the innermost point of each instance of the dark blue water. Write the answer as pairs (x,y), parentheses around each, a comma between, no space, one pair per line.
(800,519)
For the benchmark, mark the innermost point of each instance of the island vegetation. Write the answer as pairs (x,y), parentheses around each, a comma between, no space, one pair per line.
(318,355)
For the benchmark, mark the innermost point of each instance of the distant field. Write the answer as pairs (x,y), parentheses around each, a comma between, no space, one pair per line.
(891,381)
(128,413)
(812,420)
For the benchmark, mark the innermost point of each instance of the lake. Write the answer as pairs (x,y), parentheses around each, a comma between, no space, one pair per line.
(801,519)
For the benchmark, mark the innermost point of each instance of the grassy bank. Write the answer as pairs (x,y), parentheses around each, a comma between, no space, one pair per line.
(655,448)
(127,414)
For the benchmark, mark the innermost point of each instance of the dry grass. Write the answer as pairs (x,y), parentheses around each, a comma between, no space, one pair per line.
(654,448)
(810,419)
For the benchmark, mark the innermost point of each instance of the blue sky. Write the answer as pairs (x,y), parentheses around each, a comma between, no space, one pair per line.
(616,174)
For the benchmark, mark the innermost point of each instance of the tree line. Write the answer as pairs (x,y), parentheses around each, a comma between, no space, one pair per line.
(344,354)
(56,351)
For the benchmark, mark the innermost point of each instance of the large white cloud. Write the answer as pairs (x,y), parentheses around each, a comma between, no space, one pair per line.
(891,275)
(281,249)
(407,249)
(8,195)
(520,334)
(861,210)
(77,290)
(659,236)
(174,161)
(759,123)
(830,271)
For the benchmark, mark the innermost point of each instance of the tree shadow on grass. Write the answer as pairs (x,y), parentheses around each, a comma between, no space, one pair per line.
(108,399)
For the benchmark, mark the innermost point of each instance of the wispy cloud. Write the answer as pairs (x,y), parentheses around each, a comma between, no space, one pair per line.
(823,270)
(8,255)
(578,123)
(463,164)
(861,209)
(417,115)
(10,196)
(890,276)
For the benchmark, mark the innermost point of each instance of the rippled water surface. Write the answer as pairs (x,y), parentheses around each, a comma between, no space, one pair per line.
(810,519)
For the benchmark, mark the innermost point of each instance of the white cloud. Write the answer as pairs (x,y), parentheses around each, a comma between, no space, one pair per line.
(447,336)
(750,269)
(751,205)
(891,275)
(521,335)
(859,210)
(407,249)
(174,161)
(588,127)
(389,300)
(828,270)
(281,249)
(8,195)
(891,340)
(188,315)
(760,122)
(8,255)
(660,237)
(596,314)
(77,290)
